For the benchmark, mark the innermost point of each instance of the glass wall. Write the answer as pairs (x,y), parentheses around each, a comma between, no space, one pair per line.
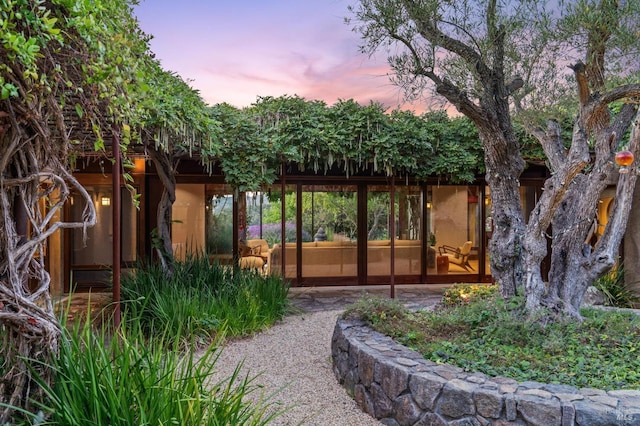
(454,215)
(407,226)
(219,223)
(264,229)
(188,226)
(438,230)
(329,231)
(91,258)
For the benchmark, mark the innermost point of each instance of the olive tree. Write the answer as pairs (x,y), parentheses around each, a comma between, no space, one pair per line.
(491,59)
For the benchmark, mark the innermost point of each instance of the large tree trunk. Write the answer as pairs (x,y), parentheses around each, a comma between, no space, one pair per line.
(503,168)
(568,208)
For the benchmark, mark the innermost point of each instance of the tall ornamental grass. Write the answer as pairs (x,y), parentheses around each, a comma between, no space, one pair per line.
(126,379)
(199,299)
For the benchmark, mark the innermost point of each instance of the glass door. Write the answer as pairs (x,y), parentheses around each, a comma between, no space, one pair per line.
(329,231)
(454,228)
(91,255)
(408,231)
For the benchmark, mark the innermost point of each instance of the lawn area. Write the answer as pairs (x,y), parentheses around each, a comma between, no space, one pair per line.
(481,332)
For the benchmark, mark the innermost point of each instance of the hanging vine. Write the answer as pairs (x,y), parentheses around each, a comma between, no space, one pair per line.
(352,137)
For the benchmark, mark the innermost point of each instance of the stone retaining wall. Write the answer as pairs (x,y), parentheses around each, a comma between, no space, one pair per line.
(399,387)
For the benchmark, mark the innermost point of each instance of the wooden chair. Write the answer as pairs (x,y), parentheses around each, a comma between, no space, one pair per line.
(458,255)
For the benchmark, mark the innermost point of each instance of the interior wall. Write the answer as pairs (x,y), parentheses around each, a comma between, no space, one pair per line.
(449,215)
(188,228)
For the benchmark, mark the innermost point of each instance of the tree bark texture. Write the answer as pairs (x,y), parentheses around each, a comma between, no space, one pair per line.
(632,246)
(566,212)
(505,245)
(34,186)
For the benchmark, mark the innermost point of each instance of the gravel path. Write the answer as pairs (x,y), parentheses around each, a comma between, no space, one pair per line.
(295,355)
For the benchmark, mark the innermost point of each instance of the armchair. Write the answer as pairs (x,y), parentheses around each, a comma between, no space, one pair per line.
(252,256)
(458,255)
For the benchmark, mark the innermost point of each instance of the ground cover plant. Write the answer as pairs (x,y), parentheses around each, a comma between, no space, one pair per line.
(199,299)
(482,332)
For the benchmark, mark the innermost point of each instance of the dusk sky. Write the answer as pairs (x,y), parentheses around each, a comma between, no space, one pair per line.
(236,50)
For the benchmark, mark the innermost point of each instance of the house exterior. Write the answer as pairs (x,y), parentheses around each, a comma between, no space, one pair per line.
(339,229)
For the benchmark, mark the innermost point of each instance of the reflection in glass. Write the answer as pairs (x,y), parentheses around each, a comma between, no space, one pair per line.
(329,231)
(267,226)
(91,258)
(408,231)
(219,222)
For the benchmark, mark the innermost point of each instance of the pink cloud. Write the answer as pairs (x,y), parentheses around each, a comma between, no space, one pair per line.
(236,51)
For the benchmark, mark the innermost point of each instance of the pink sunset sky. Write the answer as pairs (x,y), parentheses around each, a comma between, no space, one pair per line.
(237,50)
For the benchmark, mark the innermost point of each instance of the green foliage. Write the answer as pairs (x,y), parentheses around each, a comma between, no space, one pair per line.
(153,106)
(91,55)
(615,290)
(127,379)
(461,294)
(24,48)
(494,336)
(180,121)
(248,162)
(376,309)
(199,300)
(347,135)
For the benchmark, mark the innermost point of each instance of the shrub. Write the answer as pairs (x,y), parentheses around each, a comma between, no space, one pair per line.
(199,299)
(614,289)
(461,294)
(128,379)
(375,309)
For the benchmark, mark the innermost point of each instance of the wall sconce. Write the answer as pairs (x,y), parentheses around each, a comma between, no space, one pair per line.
(428,205)
(105,201)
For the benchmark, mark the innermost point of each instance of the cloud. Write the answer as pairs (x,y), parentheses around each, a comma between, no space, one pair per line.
(236,52)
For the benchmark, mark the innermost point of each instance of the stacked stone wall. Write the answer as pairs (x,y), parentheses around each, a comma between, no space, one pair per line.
(399,387)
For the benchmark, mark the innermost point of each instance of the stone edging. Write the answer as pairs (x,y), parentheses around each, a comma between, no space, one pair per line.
(399,387)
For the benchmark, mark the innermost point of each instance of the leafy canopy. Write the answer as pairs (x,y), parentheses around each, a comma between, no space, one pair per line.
(356,138)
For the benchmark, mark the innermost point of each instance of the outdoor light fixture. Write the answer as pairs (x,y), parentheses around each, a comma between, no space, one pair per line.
(105,201)
(624,160)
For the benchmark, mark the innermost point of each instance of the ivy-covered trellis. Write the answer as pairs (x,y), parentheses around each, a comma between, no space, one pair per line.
(313,135)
